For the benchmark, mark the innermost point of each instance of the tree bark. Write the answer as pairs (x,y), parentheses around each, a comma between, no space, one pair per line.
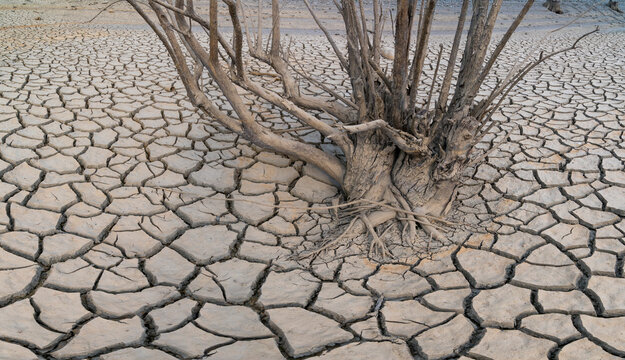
(368,173)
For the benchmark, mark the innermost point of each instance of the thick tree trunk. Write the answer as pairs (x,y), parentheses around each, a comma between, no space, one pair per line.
(613,4)
(377,167)
(416,181)
(402,186)
(368,173)
(553,5)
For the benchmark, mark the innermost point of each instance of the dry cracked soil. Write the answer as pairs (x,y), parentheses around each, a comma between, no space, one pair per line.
(123,234)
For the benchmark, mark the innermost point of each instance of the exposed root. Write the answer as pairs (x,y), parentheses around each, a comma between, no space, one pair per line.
(410,223)
(366,216)
(355,228)
(331,243)
(365,222)
(377,246)
(429,228)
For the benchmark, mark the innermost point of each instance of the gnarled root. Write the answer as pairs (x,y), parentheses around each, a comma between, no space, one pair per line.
(355,228)
(377,246)
(410,224)
(371,214)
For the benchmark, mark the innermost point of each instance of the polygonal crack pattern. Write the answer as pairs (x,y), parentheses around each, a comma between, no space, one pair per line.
(130,225)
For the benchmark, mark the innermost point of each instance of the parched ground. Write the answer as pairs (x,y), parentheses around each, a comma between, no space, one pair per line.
(133,228)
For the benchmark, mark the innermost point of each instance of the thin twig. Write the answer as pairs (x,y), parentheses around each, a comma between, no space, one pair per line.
(438,62)
(103,10)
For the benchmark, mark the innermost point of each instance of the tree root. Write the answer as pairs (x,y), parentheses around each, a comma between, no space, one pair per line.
(410,223)
(377,246)
(367,215)
(330,244)
(366,218)
(357,226)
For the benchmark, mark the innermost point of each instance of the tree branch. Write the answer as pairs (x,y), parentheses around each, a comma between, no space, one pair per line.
(529,67)
(323,29)
(451,63)
(250,128)
(502,43)
(406,142)
(421,51)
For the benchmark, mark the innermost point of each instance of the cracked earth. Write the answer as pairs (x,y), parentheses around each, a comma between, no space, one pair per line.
(132,228)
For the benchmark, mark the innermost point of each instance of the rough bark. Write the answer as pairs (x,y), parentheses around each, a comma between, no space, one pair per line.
(368,173)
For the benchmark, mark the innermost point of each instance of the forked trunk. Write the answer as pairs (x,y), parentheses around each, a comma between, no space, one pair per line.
(553,5)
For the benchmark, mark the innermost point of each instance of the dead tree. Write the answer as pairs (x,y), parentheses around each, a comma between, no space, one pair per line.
(403,159)
(553,5)
(613,4)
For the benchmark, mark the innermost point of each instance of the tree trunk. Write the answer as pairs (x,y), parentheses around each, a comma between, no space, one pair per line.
(553,5)
(368,173)
(612,4)
(377,166)
(379,172)
(415,179)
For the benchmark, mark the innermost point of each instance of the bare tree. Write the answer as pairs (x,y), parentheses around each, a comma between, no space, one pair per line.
(403,157)
(613,4)
(553,5)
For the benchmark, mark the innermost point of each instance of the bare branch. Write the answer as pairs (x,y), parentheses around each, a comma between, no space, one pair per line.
(529,67)
(303,74)
(381,74)
(259,23)
(251,128)
(190,13)
(241,7)
(478,38)
(451,63)
(504,40)
(102,10)
(377,30)
(438,62)
(338,52)
(275,28)
(501,88)
(403,26)
(421,51)
(406,142)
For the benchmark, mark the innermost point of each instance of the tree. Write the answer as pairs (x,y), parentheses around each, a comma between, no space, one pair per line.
(403,154)
(553,5)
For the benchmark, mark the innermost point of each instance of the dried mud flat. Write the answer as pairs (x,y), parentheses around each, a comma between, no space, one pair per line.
(118,239)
